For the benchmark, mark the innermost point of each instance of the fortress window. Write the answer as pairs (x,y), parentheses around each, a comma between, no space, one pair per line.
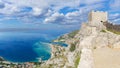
(101,21)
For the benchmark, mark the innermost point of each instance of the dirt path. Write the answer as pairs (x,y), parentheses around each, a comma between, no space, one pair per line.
(106,58)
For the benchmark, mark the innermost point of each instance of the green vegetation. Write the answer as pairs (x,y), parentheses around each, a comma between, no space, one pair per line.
(94,47)
(50,65)
(69,36)
(72,34)
(60,38)
(73,46)
(115,28)
(77,61)
(104,31)
(114,31)
(1,59)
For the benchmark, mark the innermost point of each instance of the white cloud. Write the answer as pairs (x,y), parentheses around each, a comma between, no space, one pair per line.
(88,2)
(37,11)
(44,3)
(30,3)
(9,9)
(55,18)
(47,11)
(115,5)
(71,18)
(13,6)
(56,5)
(115,18)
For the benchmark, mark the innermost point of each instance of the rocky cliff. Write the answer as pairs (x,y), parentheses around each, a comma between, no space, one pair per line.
(81,43)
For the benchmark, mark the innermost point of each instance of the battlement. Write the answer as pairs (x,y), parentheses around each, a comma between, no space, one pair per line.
(98,16)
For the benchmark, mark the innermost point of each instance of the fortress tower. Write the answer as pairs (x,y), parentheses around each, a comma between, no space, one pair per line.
(98,16)
(96,19)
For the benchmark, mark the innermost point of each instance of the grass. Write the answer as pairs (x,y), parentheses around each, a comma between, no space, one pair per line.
(72,34)
(72,47)
(77,61)
(114,31)
(103,31)
(60,38)
(69,36)
(94,47)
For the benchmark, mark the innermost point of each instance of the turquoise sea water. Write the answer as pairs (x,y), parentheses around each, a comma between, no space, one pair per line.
(60,44)
(25,46)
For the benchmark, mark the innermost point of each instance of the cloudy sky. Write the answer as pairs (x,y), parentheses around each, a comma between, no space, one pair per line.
(66,14)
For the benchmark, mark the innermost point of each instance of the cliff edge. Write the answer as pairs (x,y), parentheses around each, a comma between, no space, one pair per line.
(84,45)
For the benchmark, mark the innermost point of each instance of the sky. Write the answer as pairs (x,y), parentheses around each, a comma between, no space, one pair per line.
(53,14)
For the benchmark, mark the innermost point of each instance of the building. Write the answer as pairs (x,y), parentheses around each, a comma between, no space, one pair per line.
(98,16)
(96,19)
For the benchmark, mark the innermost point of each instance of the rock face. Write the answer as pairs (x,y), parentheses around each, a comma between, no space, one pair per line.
(79,53)
(63,57)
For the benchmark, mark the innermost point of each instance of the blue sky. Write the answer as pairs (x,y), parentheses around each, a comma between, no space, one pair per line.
(53,14)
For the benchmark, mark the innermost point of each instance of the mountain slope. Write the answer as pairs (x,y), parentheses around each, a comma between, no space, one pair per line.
(82,45)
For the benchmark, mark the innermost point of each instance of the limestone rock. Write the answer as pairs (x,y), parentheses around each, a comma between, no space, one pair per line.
(89,37)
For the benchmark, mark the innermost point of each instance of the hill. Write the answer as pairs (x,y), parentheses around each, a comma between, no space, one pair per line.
(85,44)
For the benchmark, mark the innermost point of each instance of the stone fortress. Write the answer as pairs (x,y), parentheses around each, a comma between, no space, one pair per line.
(98,16)
(95,40)
(95,21)
(93,46)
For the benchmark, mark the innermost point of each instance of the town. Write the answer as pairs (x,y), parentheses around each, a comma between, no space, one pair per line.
(7,64)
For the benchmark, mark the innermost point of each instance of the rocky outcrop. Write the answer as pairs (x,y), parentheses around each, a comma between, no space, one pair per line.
(91,38)
(79,53)
(64,57)
(1,59)
(87,39)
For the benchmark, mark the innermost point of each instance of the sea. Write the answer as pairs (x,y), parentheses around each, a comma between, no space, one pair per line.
(26,46)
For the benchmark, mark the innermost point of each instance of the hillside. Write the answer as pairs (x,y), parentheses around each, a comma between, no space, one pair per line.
(112,27)
(85,45)
(67,57)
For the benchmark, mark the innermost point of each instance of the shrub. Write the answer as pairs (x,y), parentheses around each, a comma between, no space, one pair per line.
(72,47)
(60,38)
(94,47)
(77,61)
(115,28)
(103,31)
(114,31)
(72,34)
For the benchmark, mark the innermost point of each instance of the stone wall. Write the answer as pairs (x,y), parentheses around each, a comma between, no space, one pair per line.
(98,16)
